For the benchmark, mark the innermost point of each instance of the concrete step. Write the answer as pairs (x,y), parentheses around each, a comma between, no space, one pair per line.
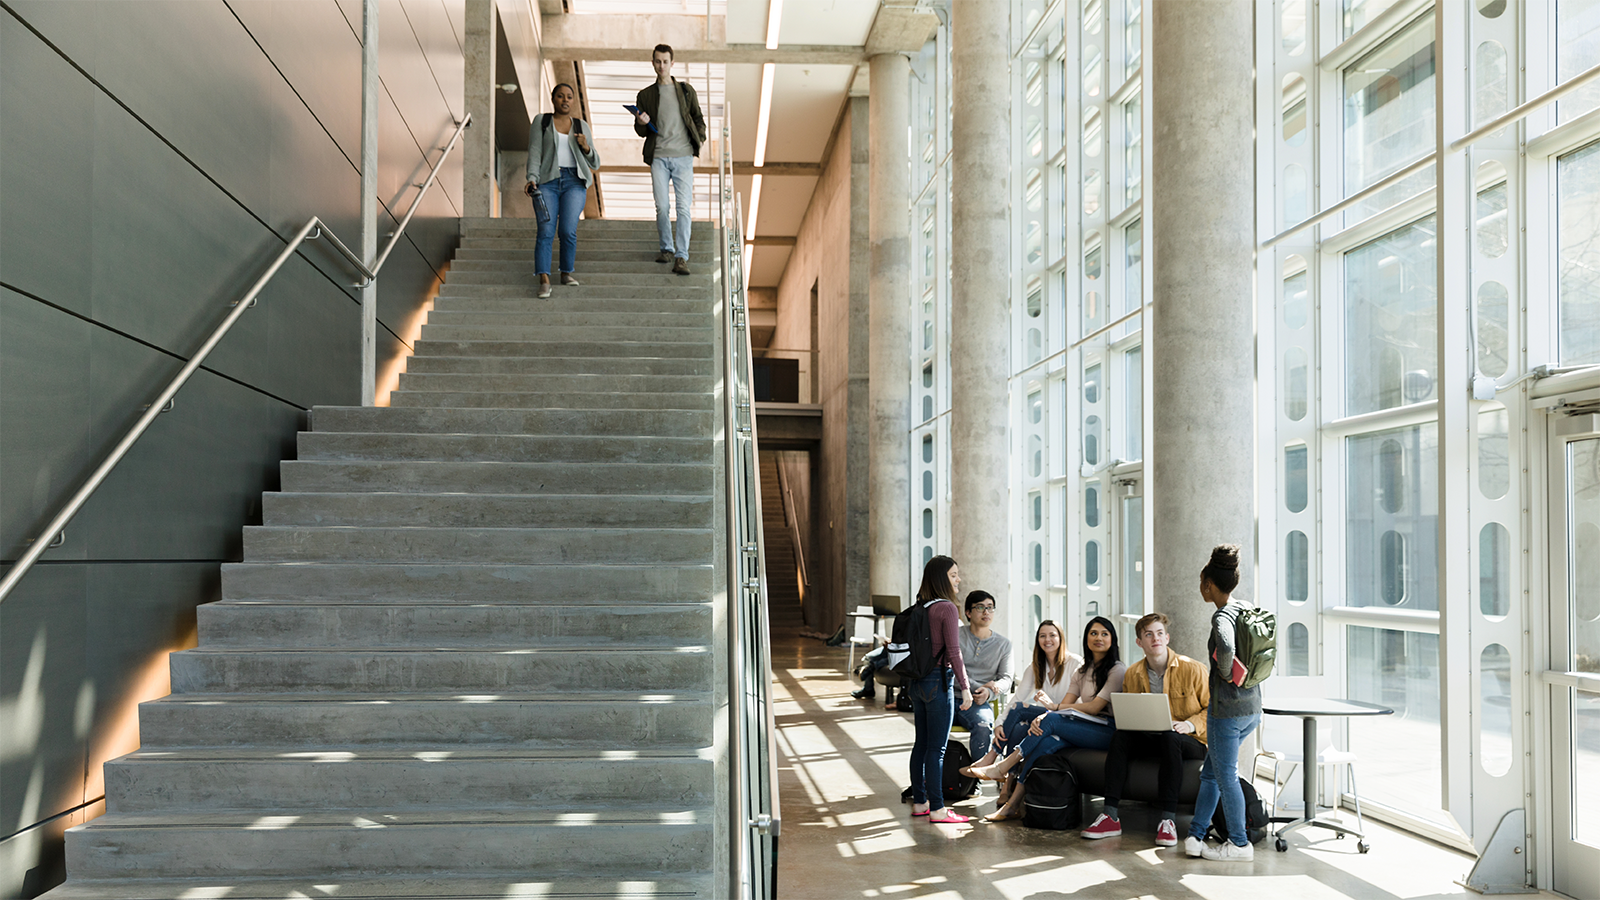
(682,288)
(530,546)
(245,843)
(608,305)
(488,510)
(647,275)
(501,447)
(558,365)
(418,420)
(496,477)
(478,224)
(549,346)
(620,263)
(478,670)
(647,338)
(591,254)
(636,385)
(429,722)
(306,625)
(454,583)
(553,400)
(518,886)
(576,316)
(272,779)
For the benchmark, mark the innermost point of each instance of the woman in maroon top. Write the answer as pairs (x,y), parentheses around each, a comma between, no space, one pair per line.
(933,697)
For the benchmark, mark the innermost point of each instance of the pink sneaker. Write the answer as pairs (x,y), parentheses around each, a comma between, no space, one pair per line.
(1167,833)
(950,817)
(1103,827)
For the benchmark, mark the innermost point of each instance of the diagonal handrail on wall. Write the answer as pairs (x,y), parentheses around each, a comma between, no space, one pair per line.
(314,229)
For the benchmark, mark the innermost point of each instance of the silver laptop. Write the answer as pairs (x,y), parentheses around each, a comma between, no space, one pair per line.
(1141,712)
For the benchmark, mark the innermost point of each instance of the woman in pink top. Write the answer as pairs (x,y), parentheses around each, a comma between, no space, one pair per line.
(932,696)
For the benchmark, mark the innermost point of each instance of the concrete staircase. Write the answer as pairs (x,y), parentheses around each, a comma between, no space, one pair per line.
(470,650)
(778,552)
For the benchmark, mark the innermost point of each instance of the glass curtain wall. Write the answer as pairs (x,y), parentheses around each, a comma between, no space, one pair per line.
(1350,386)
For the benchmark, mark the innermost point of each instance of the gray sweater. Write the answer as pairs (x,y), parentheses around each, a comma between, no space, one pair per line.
(988,660)
(1228,701)
(542,139)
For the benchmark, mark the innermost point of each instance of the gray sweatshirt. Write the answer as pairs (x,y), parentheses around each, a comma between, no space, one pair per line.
(1227,701)
(987,660)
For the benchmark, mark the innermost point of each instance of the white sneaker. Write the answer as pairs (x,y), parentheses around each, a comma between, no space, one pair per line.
(1193,846)
(1228,851)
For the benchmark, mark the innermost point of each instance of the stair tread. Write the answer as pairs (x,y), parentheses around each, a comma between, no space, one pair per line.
(642,815)
(575,695)
(524,885)
(295,753)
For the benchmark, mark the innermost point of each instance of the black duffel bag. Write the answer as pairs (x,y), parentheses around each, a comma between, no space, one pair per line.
(1052,799)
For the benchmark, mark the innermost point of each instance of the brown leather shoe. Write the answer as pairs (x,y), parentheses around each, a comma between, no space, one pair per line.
(680,266)
(664,256)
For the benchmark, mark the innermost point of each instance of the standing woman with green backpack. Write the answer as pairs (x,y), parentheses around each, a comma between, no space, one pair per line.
(928,640)
(1234,713)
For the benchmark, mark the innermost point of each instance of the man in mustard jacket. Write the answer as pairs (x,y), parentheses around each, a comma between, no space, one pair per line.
(1183,680)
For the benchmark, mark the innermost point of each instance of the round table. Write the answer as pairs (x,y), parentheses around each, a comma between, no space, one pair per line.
(1309,709)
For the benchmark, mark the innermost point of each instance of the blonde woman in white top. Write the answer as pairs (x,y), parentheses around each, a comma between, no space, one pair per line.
(1035,696)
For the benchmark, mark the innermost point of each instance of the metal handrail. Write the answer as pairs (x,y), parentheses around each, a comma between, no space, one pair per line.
(754,818)
(313,229)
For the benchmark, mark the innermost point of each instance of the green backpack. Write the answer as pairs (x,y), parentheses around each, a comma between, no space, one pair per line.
(1255,641)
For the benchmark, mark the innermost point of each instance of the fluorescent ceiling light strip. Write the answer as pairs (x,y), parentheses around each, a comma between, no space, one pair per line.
(764,117)
(755,207)
(749,256)
(774,19)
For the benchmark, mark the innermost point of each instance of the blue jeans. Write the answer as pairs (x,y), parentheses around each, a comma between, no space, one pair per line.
(1219,777)
(978,720)
(1061,732)
(932,705)
(679,171)
(1016,725)
(564,194)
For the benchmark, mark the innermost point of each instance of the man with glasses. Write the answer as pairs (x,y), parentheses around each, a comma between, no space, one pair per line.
(988,659)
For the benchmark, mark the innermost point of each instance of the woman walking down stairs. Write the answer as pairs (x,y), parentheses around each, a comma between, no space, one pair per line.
(470,650)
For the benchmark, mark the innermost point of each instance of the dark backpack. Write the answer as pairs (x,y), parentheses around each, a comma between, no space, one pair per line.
(911,643)
(956,785)
(1052,800)
(1255,641)
(1255,817)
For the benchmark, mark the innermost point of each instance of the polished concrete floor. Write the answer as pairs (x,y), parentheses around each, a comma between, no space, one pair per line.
(842,765)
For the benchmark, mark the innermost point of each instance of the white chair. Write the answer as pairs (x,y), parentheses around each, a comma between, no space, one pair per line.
(863,633)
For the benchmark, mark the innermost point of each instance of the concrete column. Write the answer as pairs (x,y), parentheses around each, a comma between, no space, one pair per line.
(858,402)
(1199,462)
(889,184)
(477,174)
(980,296)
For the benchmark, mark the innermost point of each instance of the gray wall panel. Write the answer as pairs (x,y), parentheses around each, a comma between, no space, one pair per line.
(317,51)
(41,678)
(144,231)
(44,419)
(170,249)
(45,153)
(185,489)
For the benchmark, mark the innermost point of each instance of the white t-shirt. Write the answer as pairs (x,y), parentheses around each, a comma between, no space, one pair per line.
(564,157)
(1029,683)
(1082,683)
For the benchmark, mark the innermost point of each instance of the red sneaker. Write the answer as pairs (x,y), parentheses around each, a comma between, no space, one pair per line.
(1167,833)
(1103,827)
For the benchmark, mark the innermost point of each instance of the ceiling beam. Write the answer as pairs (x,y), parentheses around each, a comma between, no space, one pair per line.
(604,36)
(772,240)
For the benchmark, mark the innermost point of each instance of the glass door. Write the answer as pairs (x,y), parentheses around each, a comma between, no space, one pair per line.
(1574,677)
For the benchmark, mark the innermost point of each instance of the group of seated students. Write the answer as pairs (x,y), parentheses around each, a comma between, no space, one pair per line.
(1063,701)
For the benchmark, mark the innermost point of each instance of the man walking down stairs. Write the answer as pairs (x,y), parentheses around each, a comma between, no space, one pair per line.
(470,651)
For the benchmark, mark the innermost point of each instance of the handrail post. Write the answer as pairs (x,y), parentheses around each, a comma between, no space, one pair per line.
(369,200)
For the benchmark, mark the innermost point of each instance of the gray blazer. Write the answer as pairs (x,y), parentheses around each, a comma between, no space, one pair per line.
(542,150)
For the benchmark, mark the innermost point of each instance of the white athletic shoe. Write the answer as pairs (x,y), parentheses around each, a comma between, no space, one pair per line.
(1228,851)
(1193,846)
